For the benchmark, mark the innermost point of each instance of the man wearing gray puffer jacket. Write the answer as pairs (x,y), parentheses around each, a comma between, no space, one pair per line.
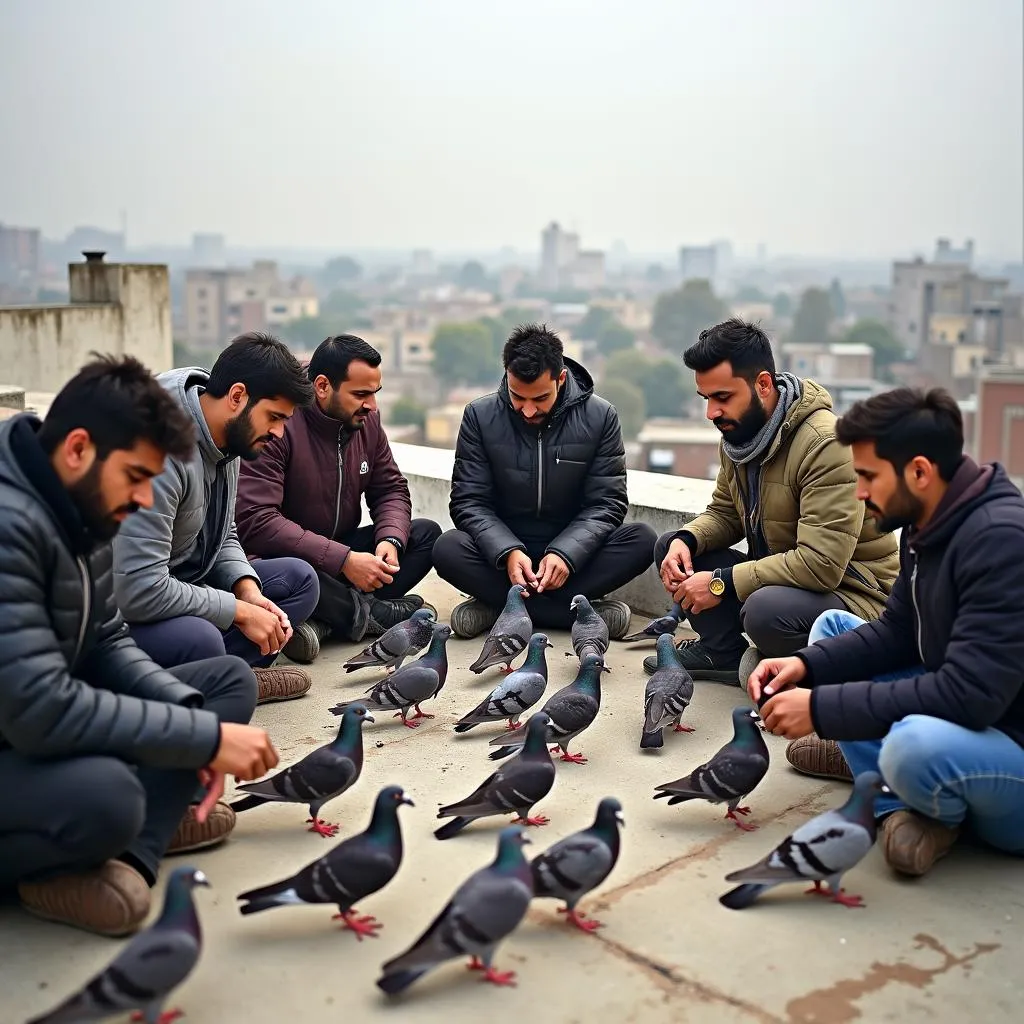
(99,746)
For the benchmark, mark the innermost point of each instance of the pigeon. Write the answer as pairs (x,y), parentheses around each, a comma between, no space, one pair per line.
(350,872)
(668,694)
(516,786)
(571,710)
(821,850)
(665,624)
(509,635)
(410,685)
(589,631)
(517,692)
(579,863)
(731,774)
(143,975)
(485,909)
(319,777)
(401,641)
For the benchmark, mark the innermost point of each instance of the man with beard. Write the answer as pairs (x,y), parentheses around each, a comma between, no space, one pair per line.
(539,496)
(182,579)
(100,748)
(931,693)
(303,498)
(787,488)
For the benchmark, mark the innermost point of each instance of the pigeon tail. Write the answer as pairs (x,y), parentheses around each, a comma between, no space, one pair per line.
(247,803)
(392,984)
(652,739)
(742,896)
(452,828)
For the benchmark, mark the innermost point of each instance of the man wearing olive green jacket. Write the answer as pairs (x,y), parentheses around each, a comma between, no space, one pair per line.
(788,488)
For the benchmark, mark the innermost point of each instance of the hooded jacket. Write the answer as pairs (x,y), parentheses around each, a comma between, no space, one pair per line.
(182,556)
(813,525)
(562,485)
(955,610)
(72,681)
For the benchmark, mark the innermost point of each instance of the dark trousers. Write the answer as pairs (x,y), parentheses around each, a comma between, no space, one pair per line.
(341,606)
(625,554)
(777,619)
(290,583)
(71,814)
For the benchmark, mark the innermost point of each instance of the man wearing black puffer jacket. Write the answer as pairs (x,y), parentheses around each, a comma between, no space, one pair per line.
(539,495)
(100,748)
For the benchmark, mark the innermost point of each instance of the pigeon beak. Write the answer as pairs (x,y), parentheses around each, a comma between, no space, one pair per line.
(884,788)
(620,819)
(549,645)
(198,878)
(406,800)
(525,840)
(368,717)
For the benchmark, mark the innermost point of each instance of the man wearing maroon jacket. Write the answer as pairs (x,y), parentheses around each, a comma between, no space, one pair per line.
(302,498)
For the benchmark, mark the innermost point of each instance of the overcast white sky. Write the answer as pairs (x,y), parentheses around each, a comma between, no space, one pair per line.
(847,127)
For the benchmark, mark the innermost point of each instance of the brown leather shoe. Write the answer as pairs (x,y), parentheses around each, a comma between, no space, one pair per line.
(811,755)
(281,682)
(912,843)
(111,900)
(193,835)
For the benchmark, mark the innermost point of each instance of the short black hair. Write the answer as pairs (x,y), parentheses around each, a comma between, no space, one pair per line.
(744,345)
(906,422)
(265,365)
(333,355)
(119,402)
(530,350)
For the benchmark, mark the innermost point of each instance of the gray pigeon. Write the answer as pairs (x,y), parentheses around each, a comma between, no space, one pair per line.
(401,641)
(510,634)
(485,909)
(410,685)
(571,710)
(154,963)
(658,627)
(731,774)
(516,786)
(579,863)
(354,869)
(668,694)
(516,693)
(319,777)
(821,850)
(589,631)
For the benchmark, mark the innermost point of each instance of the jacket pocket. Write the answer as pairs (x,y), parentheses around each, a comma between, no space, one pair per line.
(851,570)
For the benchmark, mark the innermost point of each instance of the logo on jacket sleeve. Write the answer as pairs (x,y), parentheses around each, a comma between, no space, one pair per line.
(363,467)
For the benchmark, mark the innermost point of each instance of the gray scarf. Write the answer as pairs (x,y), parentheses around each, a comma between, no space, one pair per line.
(790,392)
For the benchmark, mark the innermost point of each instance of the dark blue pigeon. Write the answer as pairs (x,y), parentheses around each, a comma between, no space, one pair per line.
(510,634)
(668,694)
(401,641)
(664,625)
(589,632)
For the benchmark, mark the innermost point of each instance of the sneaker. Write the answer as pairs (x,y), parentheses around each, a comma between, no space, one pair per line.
(472,618)
(193,835)
(700,664)
(111,900)
(304,645)
(387,613)
(912,843)
(616,615)
(281,682)
(750,660)
(811,755)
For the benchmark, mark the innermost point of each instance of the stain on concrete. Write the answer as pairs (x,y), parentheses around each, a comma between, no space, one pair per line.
(836,1003)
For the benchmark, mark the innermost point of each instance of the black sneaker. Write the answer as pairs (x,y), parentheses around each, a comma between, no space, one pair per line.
(702,665)
(385,614)
(616,615)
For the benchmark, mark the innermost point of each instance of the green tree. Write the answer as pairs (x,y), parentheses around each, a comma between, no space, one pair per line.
(339,270)
(837,298)
(406,411)
(782,305)
(888,349)
(615,338)
(341,303)
(596,319)
(681,315)
(464,353)
(307,331)
(813,317)
(750,293)
(628,400)
(660,380)
(473,276)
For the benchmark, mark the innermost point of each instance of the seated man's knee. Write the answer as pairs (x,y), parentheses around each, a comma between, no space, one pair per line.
(760,616)
(832,623)
(237,690)
(449,548)
(424,532)
(198,639)
(105,808)
(910,746)
(302,579)
(661,546)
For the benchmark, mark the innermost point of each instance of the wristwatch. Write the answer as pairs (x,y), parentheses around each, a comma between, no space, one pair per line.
(716,584)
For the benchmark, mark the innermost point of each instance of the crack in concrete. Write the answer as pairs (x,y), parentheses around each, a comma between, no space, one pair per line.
(835,1004)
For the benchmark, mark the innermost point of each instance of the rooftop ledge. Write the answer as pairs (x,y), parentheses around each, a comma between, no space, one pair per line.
(663,502)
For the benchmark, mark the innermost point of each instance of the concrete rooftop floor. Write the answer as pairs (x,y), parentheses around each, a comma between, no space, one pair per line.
(939,948)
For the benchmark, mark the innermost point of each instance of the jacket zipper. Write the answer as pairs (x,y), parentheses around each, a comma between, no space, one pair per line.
(917,611)
(540,471)
(86,608)
(337,499)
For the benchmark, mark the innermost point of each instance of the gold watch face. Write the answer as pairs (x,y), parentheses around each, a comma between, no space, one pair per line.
(717,587)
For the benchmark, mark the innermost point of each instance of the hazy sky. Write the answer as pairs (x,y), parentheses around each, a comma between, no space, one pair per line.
(858,127)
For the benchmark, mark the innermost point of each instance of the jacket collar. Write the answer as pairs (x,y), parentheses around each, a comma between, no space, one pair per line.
(325,425)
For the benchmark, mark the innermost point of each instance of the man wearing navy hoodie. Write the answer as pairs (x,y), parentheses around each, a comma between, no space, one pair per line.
(931,693)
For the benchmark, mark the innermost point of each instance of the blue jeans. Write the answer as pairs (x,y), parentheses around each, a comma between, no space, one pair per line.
(290,583)
(941,770)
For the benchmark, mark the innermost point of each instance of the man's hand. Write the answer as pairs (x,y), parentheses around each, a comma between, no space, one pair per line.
(213,783)
(693,594)
(676,566)
(388,553)
(520,569)
(367,572)
(788,714)
(773,675)
(245,751)
(553,572)
(262,626)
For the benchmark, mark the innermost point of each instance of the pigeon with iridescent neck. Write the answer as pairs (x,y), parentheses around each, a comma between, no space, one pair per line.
(668,694)
(401,641)
(510,634)
(589,632)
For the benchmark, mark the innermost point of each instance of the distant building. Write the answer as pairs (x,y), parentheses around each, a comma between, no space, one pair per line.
(679,448)
(698,263)
(209,250)
(20,259)
(558,254)
(999,420)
